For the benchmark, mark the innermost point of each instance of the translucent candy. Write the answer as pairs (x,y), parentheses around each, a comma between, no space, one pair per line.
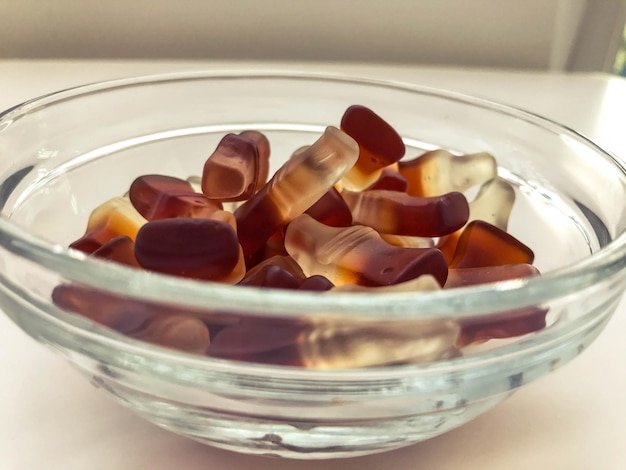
(274,246)
(461,277)
(295,187)
(407,241)
(120,249)
(122,315)
(141,320)
(493,204)
(232,171)
(390,179)
(439,172)
(286,263)
(160,197)
(332,345)
(271,276)
(195,248)
(401,214)
(267,341)
(379,146)
(358,255)
(264,150)
(115,217)
(329,346)
(423,283)
(316,283)
(331,209)
(483,244)
(196,183)
(180,332)
(509,324)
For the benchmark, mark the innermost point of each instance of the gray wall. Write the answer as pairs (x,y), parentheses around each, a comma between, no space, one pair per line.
(536,34)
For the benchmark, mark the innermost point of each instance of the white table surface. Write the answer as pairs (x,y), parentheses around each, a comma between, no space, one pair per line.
(52,418)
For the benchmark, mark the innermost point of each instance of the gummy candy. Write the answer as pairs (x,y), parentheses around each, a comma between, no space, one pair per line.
(358,255)
(196,248)
(232,171)
(379,146)
(114,217)
(483,244)
(400,214)
(343,215)
(295,187)
(438,172)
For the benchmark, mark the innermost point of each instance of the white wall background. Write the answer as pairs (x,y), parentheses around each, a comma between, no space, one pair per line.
(535,34)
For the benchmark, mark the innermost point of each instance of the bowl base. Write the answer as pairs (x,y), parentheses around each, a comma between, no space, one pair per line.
(291,438)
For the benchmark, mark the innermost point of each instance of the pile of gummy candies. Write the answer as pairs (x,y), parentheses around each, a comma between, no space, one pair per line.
(345,214)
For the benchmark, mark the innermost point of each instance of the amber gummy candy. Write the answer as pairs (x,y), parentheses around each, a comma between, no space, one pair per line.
(460,277)
(149,322)
(295,187)
(163,197)
(483,244)
(438,172)
(502,325)
(379,145)
(196,248)
(331,209)
(398,213)
(493,204)
(358,255)
(120,249)
(332,345)
(232,172)
(390,179)
(113,218)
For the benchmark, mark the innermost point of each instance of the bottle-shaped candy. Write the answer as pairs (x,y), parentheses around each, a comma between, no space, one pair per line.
(482,244)
(195,248)
(439,171)
(113,218)
(161,197)
(334,345)
(358,255)
(398,213)
(120,249)
(233,171)
(295,187)
(493,204)
(379,146)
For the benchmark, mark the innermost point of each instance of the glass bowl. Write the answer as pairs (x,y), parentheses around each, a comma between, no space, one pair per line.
(63,154)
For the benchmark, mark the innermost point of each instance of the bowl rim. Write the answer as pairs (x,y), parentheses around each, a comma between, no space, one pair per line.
(458,303)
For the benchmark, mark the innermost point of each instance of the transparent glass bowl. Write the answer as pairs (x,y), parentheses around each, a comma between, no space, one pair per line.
(63,154)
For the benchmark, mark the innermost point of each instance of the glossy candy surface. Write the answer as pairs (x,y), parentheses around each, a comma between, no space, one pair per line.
(493,204)
(232,172)
(483,244)
(390,179)
(113,218)
(343,215)
(162,197)
(195,248)
(439,171)
(331,346)
(358,255)
(398,213)
(379,146)
(120,249)
(295,187)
